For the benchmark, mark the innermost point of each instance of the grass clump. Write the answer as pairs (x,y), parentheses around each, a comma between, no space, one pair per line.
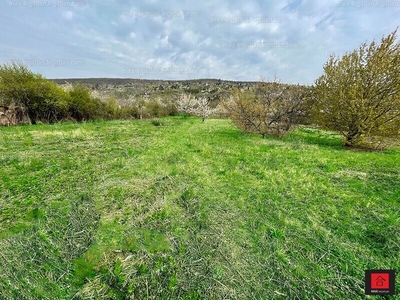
(156,122)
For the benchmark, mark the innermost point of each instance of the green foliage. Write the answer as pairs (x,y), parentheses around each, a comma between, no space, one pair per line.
(359,94)
(42,100)
(112,109)
(14,80)
(154,108)
(45,101)
(156,122)
(82,106)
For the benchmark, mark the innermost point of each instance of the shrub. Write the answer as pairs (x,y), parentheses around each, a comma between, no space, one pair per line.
(156,122)
(41,99)
(359,94)
(82,106)
(154,108)
(274,108)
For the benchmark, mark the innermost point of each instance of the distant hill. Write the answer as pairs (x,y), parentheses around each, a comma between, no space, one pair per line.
(124,90)
(125,81)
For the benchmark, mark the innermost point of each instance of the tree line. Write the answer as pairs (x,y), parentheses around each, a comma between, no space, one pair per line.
(42,100)
(358,96)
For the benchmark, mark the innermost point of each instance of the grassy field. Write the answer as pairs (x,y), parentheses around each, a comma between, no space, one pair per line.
(192,210)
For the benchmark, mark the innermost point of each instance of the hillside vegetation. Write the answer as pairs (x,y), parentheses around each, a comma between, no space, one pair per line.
(180,209)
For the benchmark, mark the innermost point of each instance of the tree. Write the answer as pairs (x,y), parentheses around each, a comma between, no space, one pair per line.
(195,106)
(359,94)
(41,99)
(202,108)
(82,106)
(274,108)
(185,104)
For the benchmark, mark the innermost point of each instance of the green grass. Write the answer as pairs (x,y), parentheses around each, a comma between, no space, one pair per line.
(180,209)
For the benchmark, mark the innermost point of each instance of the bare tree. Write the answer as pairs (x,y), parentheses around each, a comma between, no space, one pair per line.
(273,109)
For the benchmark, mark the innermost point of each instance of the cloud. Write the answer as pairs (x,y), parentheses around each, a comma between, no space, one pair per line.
(220,39)
(68,15)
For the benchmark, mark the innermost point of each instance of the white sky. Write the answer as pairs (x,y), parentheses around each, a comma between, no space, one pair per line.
(178,39)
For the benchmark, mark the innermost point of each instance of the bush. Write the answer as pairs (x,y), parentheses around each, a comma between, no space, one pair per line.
(274,109)
(154,108)
(41,99)
(82,106)
(156,122)
(45,101)
(359,94)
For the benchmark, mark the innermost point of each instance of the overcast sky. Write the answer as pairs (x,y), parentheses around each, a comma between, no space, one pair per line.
(178,39)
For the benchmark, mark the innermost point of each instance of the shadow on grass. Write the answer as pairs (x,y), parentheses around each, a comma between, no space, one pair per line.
(313,136)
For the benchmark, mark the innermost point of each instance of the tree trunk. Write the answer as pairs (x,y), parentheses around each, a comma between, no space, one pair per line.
(32,118)
(352,138)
